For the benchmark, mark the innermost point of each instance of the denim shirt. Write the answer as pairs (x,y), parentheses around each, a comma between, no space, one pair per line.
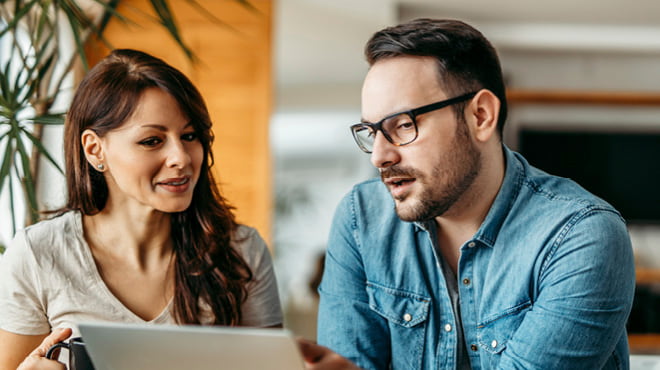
(546,282)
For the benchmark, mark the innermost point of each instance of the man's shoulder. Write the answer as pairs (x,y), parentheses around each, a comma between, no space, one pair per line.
(561,191)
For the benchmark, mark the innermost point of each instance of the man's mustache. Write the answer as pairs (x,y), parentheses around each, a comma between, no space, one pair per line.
(396,171)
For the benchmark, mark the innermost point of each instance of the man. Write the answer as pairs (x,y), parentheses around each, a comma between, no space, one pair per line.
(464,255)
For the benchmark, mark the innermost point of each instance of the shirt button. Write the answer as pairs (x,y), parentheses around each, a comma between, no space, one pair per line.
(473,347)
(407,317)
(471,244)
(493,343)
(447,327)
(466,281)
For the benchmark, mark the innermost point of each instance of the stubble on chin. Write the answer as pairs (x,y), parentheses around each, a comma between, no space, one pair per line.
(435,200)
(420,210)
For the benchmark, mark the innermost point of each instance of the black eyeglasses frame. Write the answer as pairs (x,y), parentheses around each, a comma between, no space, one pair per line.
(413,113)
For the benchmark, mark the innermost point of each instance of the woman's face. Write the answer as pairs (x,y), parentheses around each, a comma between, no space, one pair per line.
(154,158)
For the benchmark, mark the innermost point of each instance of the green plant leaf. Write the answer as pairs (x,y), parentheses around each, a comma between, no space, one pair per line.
(53,119)
(19,13)
(248,5)
(35,81)
(37,143)
(109,13)
(166,19)
(6,163)
(202,10)
(4,82)
(77,22)
(26,180)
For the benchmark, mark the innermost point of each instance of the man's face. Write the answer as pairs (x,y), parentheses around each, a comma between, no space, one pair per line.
(428,176)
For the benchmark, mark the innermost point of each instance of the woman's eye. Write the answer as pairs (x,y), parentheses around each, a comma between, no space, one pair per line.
(405,126)
(152,141)
(191,136)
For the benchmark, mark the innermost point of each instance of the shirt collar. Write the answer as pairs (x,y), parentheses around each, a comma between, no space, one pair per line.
(511,185)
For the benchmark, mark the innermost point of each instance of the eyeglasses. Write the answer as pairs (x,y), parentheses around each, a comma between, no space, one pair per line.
(398,128)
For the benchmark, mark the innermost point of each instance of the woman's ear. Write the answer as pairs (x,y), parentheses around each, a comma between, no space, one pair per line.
(93,149)
(485,108)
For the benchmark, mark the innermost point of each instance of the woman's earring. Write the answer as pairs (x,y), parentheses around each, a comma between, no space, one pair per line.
(100,167)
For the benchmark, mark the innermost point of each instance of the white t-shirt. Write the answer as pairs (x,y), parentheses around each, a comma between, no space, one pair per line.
(48,279)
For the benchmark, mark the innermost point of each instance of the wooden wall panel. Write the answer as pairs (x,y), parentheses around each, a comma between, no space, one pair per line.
(234,76)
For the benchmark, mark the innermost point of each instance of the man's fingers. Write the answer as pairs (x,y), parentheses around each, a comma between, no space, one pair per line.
(311,351)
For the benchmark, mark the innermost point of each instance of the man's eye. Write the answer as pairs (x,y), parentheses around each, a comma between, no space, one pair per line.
(405,126)
(191,136)
(152,141)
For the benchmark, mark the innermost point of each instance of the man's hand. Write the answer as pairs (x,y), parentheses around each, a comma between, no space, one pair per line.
(37,358)
(318,357)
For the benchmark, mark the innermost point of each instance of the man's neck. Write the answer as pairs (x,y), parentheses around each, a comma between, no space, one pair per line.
(464,218)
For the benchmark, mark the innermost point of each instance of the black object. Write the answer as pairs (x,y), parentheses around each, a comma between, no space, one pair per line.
(78,357)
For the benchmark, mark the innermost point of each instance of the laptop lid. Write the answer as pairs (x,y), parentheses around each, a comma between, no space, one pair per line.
(114,346)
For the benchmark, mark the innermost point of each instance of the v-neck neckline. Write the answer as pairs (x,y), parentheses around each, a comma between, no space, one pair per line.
(97,280)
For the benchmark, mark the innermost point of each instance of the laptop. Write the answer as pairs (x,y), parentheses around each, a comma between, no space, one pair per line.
(114,346)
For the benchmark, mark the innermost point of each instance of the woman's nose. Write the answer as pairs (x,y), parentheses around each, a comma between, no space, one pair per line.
(177,155)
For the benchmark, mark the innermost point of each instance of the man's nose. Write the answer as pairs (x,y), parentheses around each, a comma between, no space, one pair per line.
(383,154)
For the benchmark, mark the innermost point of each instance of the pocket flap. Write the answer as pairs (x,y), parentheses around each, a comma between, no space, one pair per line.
(494,334)
(398,306)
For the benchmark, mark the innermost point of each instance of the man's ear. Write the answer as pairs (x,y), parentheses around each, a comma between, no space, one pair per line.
(485,109)
(93,149)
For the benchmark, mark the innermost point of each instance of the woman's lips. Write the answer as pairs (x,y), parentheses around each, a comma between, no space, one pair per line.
(175,185)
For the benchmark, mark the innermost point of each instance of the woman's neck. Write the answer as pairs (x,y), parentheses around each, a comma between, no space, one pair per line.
(136,236)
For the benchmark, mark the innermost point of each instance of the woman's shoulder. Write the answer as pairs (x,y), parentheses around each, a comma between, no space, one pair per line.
(247,237)
(244,231)
(52,232)
(40,247)
(249,243)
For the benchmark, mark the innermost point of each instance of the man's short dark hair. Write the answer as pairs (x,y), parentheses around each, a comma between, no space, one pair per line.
(466,59)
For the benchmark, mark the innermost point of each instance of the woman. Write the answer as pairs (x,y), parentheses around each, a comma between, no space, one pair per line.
(145,236)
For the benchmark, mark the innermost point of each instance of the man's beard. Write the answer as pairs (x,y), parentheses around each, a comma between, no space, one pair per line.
(448,181)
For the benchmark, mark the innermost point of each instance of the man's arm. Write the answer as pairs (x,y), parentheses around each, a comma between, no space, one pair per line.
(346,324)
(584,298)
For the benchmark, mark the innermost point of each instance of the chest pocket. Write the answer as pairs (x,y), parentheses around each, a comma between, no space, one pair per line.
(406,314)
(494,333)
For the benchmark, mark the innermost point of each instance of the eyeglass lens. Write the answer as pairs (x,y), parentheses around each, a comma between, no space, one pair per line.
(399,130)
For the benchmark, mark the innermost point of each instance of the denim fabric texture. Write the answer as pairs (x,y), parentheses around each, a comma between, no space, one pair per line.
(547,282)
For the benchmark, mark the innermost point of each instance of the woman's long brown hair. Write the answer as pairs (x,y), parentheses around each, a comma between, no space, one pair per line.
(208,270)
